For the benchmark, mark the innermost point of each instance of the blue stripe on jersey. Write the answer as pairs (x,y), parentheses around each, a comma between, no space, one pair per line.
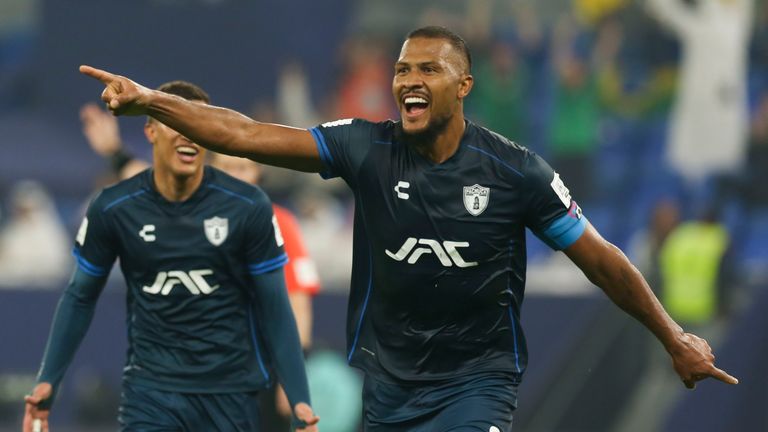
(123,198)
(229,192)
(563,231)
(496,158)
(367,294)
(325,154)
(87,267)
(252,321)
(514,338)
(383,142)
(365,306)
(268,265)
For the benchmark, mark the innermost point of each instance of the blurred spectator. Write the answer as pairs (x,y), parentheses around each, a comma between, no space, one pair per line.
(34,245)
(499,94)
(645,246)
(708,131)
(366,84)
(755,192)
(294,102)
(576,115)
(693,268)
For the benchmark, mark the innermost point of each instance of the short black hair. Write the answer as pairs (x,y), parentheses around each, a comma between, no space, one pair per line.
(439,32)
(185,89)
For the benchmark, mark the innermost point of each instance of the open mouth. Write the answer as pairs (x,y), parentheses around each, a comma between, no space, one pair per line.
(415,105)
(187,153)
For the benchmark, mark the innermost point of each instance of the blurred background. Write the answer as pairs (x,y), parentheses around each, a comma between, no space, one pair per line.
(654,112)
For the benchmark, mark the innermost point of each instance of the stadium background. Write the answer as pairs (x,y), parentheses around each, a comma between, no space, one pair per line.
(591,368)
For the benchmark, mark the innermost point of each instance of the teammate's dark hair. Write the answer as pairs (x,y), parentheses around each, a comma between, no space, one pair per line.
(438,32)
(185,89)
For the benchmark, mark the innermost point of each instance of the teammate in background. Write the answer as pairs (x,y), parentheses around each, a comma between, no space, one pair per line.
(301,279)
(207,309)
(439,252)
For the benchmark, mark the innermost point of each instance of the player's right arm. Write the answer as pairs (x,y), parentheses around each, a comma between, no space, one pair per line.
(95,253)
(218,129)
(70,323)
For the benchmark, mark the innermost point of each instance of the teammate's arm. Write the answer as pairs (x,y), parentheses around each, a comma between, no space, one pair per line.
(103,135)
(608,268)
(70,323)
(279,330)
(218,129)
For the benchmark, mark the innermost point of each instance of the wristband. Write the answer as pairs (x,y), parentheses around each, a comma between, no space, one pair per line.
(119,159)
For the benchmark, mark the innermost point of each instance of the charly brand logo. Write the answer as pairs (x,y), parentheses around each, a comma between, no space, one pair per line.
(216,230)
(194,281)
(147,233)
(476,199)
(446,252)
(400,189)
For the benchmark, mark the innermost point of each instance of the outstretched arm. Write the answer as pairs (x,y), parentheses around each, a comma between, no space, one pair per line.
(279,329)
(218,129)
(70,323)
(607,267)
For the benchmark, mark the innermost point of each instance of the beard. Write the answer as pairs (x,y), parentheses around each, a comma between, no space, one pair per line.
(424,137)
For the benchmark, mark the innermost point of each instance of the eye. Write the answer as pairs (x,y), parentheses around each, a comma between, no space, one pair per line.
(400,70)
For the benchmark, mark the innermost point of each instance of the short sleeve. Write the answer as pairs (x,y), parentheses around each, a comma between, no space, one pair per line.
(343,145)
(96,241)
(264,241)
(551,213)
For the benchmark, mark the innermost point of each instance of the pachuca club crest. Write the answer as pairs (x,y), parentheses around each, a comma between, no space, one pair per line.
(216,230)
(476,199)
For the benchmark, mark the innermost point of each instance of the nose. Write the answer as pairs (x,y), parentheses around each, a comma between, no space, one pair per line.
(410,80)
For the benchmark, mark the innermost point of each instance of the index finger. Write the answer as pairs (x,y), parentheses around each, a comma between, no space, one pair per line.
(723,376)
(101,75)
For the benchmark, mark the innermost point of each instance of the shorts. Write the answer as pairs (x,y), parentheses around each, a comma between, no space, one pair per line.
(470,404)
(149,410)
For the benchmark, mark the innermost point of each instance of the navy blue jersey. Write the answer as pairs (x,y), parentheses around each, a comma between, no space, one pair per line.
(439,249)
(188,269)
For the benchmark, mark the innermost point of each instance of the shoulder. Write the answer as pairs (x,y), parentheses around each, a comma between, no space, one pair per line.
(500,150)
(356,125)
(230,188)
(121,193)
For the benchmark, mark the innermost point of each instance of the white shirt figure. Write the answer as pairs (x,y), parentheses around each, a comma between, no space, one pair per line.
(709,120)
(34,244)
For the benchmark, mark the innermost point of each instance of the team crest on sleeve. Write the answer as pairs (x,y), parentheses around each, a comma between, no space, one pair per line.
(561,190)
(216,230)
(476,199)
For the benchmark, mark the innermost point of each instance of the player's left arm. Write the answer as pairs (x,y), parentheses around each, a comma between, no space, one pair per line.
(279,330)
(607,267)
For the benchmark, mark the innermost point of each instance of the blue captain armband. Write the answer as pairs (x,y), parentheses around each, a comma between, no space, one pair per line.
(565,230)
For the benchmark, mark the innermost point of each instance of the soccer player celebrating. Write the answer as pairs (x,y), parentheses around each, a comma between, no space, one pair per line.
(301,279)
(207,308)
(439,253)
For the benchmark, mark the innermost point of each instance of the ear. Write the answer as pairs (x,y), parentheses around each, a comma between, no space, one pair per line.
(465,85)
(150,131)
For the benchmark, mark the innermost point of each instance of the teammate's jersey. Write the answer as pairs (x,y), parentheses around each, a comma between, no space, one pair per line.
(187,268)
(300,271)
(439,249)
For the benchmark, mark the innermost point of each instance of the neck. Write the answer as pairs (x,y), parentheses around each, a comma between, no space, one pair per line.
(440,147)
(176,188)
